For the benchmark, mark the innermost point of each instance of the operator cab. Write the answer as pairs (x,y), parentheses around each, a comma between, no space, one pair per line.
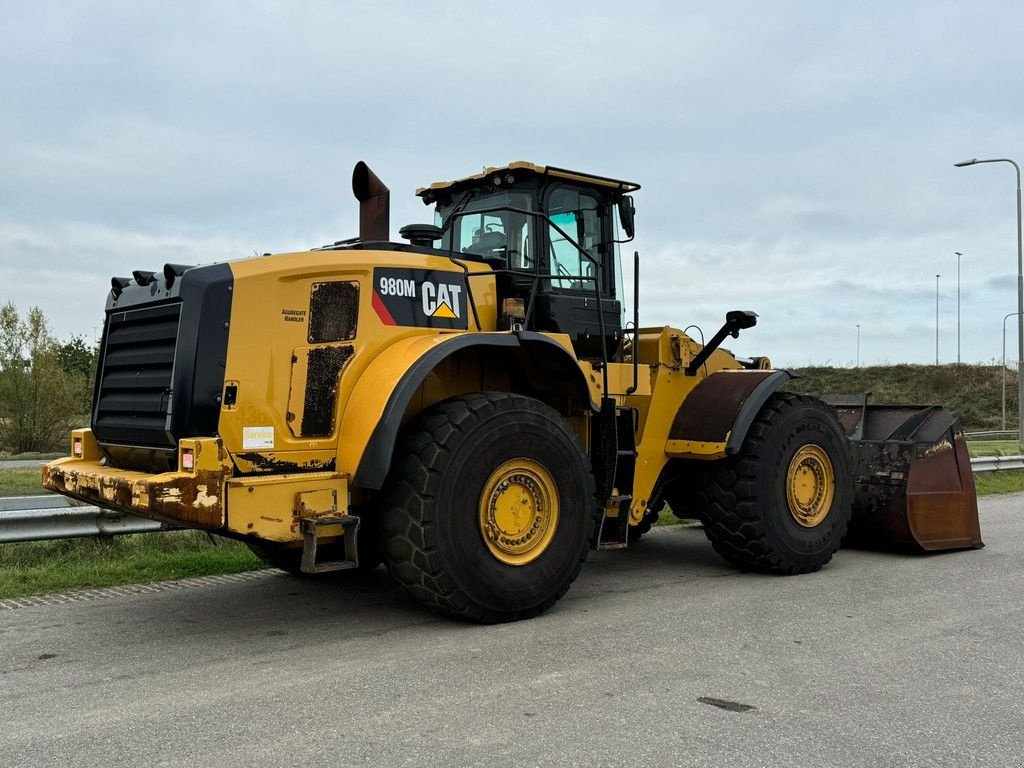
(551,235)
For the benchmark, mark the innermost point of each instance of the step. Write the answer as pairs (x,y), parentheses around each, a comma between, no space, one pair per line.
(315,528)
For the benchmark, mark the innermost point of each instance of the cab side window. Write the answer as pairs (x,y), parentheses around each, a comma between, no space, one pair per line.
(574,215)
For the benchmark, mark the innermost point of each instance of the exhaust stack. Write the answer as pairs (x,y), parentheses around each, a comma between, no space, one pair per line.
(374,203)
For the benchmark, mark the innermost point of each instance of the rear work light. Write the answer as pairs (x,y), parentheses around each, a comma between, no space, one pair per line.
(76,448)
(188,459)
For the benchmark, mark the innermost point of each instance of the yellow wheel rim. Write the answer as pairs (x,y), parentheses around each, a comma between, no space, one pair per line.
(810,485)
(518,511)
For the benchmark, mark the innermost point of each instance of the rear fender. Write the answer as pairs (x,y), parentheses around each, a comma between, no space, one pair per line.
(381,397)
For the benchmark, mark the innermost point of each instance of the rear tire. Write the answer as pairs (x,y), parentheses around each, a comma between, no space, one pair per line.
(783,503)
(488,511)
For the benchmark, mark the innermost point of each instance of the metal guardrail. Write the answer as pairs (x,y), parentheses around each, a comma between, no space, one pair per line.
(992,434)
(994,463)
(38,518)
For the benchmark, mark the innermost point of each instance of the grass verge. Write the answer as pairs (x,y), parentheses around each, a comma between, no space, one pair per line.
(993,448)
(36,456)
(37,567)
(21,482)
(1004,481)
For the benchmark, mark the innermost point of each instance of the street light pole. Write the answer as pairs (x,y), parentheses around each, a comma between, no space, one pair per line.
(958,255)
(937,319)
(1011,314)
(1020,295)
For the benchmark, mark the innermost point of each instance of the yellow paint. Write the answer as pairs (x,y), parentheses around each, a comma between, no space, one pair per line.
(810,485)
(263,343)
(694,449)
(443,310)
(664,354)
(270,507)
(519,511)
(90,449)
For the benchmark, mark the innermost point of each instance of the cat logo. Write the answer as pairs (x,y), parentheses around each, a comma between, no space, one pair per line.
(420,298)
(442,300)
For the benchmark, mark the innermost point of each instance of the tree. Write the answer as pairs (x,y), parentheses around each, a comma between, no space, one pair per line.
(77,357)
(41,392)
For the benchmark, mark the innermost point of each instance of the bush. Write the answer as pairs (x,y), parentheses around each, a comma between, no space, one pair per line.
(45,386)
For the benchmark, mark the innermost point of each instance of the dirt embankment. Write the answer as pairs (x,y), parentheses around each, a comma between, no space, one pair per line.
(972,392)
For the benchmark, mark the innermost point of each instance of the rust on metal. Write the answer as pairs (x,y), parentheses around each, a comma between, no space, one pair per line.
(194,498)
(374,203)
(709,412)
(913,485)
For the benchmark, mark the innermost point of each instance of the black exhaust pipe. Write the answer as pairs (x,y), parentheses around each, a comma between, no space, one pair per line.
(374,203)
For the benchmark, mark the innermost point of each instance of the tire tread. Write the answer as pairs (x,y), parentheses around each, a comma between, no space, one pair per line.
(729,506)
(410,541)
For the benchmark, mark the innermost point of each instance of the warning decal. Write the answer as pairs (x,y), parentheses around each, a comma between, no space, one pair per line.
(421,298)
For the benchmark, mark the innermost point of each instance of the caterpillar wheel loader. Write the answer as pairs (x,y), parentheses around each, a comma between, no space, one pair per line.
(471,407)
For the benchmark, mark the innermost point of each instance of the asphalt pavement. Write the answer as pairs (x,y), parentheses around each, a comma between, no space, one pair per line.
(660,655)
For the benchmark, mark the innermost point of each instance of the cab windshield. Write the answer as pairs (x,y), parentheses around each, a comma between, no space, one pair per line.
(500,237)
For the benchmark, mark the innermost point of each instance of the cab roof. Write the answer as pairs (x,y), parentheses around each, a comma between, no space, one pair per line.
(524,169)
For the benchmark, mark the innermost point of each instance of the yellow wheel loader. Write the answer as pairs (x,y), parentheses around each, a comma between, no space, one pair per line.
(472,408)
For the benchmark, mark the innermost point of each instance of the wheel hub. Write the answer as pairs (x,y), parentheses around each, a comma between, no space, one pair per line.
(518,511)
(810,485)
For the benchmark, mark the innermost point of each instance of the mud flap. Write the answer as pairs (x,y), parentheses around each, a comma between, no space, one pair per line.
(913,485)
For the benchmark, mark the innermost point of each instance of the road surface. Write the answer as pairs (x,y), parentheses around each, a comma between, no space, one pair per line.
(660,655)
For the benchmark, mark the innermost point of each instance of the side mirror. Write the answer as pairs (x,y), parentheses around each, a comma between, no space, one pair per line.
(627,211)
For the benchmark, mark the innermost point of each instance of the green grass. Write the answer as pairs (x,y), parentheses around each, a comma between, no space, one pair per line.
(21,482)
(37,567)
(994,448)
(1005,481)
(668,518)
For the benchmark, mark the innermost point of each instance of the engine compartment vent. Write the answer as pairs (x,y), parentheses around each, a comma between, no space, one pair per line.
(333,311)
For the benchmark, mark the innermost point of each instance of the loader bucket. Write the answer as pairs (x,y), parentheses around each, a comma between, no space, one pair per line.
(913,486)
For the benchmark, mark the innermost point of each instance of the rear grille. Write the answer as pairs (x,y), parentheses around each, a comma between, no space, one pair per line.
(133,395)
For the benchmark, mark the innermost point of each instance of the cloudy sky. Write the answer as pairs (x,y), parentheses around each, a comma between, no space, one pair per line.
(796,157)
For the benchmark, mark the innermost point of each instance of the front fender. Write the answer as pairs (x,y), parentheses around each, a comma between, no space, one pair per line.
(713,420)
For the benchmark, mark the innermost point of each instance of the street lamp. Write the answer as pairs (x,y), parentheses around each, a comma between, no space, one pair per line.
(1012,314)
(958,255)
(937,319)
(1020,295)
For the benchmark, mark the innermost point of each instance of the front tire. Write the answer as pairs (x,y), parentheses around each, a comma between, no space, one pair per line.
(783,503)
(489,511)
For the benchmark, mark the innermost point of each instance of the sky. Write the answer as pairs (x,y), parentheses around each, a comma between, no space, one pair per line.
(796,157)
